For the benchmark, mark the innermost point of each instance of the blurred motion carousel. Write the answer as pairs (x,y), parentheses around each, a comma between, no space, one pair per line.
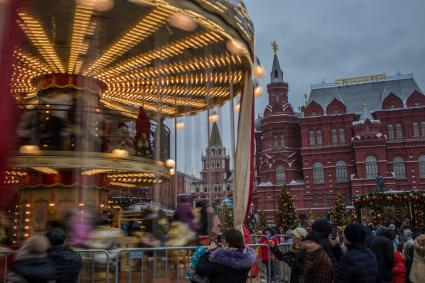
(96,82)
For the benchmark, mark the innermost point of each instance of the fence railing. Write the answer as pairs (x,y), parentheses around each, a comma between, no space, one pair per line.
(150,265)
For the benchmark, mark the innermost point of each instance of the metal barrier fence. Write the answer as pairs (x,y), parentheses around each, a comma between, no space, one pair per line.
(148,265)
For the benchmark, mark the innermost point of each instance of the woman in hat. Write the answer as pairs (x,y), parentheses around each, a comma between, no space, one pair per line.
(295,256)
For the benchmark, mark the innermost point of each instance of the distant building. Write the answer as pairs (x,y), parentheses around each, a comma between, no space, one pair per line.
(347,134)
(216,178)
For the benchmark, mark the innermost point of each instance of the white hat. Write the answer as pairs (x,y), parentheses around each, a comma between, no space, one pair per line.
(300,232)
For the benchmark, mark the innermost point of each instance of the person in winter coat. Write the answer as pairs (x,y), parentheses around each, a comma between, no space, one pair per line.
(399,269)
(323,229)
(408,249)
(358,264)
(383,248)
(31,263)
(68,262)
(266,257)
(295,256)
(318,266)
(230,264)
(417,273)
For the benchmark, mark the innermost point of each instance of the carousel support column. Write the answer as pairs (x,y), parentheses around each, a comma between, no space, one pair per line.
(243,180)
(175,152)
(209,190)
(232,122)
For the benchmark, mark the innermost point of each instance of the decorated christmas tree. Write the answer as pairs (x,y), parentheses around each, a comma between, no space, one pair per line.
(226,217)
(286,216)
(339,213)
(310,215)
(262,222)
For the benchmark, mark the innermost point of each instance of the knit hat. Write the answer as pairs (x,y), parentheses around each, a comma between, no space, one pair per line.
(313,237)
(355,233)
(56,236)
(322,227)
(300,232)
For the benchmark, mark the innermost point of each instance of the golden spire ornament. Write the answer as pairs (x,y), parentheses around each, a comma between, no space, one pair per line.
(275,47)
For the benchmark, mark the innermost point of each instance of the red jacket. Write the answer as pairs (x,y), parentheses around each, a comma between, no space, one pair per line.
(399,269)
(264,251)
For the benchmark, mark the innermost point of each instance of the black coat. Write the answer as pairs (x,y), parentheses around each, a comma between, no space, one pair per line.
(68,263)
(334,253)
(226,265)
(295,261)
(35,270)
(357,265)
(384,252)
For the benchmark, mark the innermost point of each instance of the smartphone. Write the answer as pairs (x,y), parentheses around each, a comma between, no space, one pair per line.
(219,238)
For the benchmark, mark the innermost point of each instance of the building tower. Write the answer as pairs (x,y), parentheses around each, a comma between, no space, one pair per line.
(216,174)
(277,135)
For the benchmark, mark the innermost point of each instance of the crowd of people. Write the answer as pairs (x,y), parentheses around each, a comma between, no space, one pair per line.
(361,253)
(45,259)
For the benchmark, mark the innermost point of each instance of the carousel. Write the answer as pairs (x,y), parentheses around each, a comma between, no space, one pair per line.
(96,82)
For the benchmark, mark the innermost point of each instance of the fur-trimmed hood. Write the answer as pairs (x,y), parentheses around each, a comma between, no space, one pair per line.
(233,258)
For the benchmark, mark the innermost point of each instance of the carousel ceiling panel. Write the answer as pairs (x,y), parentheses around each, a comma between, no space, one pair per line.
(135,51)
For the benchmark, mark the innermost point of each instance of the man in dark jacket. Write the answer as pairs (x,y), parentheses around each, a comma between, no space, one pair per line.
(323,229)
(68,262)
(383,249)
(358,264)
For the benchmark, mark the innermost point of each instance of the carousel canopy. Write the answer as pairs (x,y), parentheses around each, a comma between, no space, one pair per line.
(175,57)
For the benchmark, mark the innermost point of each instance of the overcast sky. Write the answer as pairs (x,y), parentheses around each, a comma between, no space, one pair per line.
(331,39)
(325,39)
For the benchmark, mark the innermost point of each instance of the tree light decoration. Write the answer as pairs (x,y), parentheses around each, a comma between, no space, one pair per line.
(182,21)
(172,171)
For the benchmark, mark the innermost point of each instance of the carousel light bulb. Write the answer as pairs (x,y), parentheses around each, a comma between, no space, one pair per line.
(235,46)
(29,149)
(120,153)
(170,163)
(172,171)
(182,21)
(213,117)
(258,91)
(180,125)
(98,5)
(237,107)
(258,71)
(51,204)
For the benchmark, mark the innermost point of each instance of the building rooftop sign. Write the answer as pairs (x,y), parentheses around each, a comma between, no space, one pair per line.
(362,79)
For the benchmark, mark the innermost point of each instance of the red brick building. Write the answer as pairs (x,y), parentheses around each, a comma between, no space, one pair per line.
(347,134)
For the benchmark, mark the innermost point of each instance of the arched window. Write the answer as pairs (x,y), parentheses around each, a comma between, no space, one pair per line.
(341,136)
(319,137)
(341,172)
(399,131)
(334,137)
(275,141)
(422,166)
(399,168)
(311,138)
(318,175)
(282,141)
(415,127)
(371,165)
(280,175)
(391,132)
